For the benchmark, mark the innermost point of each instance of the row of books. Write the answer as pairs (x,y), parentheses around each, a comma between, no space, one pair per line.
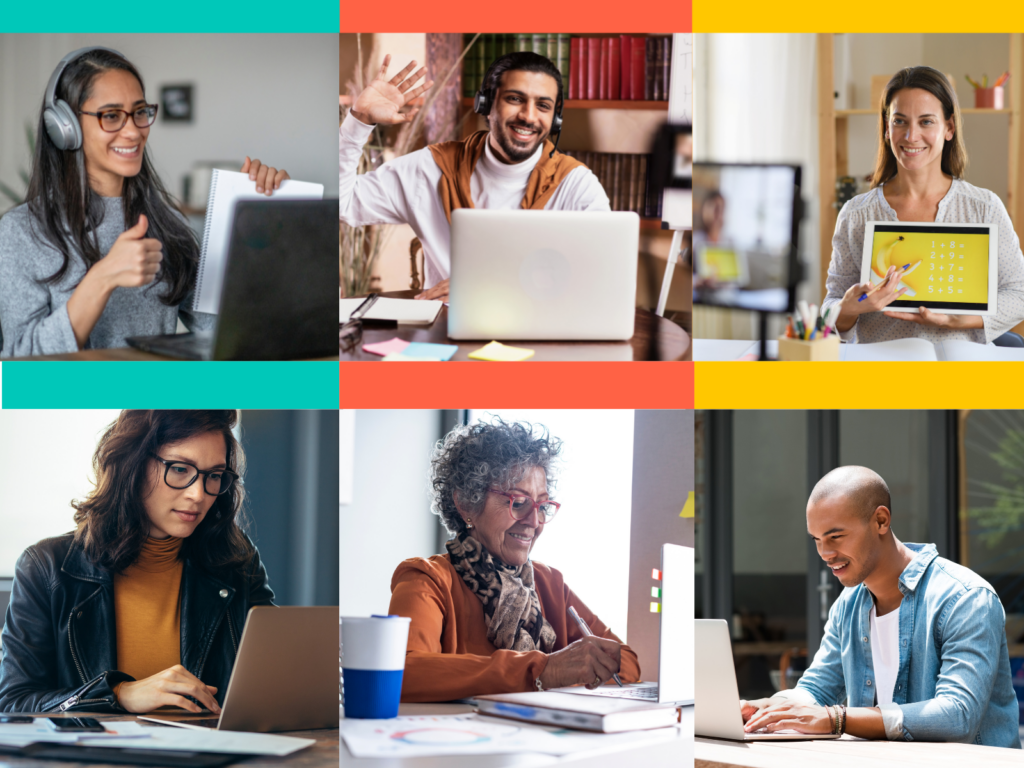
(625,180)
(625,67)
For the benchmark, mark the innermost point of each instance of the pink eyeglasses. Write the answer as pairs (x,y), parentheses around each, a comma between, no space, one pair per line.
(520,505)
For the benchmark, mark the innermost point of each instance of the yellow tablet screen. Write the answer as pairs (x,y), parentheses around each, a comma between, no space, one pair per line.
(947,268)
(721,264)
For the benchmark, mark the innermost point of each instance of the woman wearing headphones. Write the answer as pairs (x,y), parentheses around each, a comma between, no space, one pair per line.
(919,177)
(99,252)
(143,605)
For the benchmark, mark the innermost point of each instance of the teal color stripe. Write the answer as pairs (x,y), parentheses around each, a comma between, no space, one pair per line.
(177,384)
(179,16)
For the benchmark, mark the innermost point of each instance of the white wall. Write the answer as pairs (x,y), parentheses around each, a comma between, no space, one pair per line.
(389,519)
(45,462)
(268,96)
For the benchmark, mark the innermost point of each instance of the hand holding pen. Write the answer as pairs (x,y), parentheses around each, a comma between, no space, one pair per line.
(587,633)
(865,297)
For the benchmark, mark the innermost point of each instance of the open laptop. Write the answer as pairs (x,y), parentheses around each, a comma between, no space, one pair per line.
(543,275)
(285,676)
(718,714)
(278,297)
(675,644)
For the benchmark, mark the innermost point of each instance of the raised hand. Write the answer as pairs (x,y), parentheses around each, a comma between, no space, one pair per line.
(383,100)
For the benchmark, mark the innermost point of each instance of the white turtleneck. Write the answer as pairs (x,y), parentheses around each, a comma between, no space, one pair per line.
(404,191)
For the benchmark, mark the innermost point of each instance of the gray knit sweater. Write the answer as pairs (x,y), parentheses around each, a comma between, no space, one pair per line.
(34,315)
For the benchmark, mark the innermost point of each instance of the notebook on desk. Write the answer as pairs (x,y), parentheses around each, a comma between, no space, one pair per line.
(226,189)
(587,713)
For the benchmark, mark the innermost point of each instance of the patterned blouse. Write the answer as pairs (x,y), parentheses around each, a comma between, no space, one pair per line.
(963,204)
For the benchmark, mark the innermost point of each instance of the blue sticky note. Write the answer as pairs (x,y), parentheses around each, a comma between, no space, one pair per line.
(431,351)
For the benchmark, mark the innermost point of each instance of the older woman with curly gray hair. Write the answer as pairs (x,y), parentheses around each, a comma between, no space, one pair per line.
(485,617)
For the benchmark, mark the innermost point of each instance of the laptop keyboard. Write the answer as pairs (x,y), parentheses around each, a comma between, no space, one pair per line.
(648,693)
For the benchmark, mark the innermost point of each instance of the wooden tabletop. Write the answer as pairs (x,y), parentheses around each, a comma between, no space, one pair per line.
(323,754)
(654,338)
(849,752)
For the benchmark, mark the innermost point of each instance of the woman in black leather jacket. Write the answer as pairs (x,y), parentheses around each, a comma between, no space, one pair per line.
(167,482)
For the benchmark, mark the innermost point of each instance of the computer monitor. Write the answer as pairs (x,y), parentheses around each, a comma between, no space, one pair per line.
(745,234)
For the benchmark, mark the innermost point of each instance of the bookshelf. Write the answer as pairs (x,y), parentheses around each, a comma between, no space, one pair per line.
(835,128)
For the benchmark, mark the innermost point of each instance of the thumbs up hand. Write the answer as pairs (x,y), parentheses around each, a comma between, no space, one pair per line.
(134,259)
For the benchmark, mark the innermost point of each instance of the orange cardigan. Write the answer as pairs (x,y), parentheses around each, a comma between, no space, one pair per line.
(449,656)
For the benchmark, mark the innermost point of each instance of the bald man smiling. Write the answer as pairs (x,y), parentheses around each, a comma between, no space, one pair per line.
(914,648)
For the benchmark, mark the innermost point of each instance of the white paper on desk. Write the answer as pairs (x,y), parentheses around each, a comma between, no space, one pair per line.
(971,351)
(231,742)
(897,349)
(226,189)
(405,311)
(473,734)
(13,734)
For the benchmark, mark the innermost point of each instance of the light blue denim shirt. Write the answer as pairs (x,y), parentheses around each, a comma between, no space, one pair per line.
(954,679)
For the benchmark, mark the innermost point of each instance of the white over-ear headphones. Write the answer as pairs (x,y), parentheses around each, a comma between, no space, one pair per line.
(61,122)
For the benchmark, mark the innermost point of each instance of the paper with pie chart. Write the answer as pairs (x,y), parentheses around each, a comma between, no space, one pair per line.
(947,268)
(473,734)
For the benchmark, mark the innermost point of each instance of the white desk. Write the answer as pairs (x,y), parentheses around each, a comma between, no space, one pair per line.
(676,753)
(742,349)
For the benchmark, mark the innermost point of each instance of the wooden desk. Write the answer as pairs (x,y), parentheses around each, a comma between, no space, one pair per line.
(672,341)
(323,754)
(677,753)
(849,753)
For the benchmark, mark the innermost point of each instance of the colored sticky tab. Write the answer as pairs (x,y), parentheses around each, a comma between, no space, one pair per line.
(385,348)
(430,351)
(398,357)
(688,506)
(499,352)
(656,574)
(655,591)
(655,607)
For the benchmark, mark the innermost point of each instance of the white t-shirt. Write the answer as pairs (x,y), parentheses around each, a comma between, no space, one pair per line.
(885,652)
(404,191)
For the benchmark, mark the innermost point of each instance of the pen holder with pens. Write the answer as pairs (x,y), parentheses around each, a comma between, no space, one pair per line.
(989,98)
(818,349)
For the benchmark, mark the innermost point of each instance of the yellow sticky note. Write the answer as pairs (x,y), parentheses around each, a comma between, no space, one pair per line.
(655,607)
(688,506)
(498,351)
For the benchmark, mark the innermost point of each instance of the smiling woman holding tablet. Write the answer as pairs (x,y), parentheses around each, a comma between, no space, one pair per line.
(915,241)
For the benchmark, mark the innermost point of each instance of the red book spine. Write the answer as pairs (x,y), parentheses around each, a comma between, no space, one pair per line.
(603,82)
(625,59)
(614,68)
(575,84)
(593,67)
(637,75)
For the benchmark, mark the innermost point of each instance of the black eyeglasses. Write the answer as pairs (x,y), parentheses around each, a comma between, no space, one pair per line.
(180,475)
(113,120)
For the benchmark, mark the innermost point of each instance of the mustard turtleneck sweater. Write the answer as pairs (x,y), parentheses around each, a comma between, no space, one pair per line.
(147,610)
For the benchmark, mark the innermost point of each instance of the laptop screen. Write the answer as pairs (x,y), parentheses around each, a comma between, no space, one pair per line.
(675,663)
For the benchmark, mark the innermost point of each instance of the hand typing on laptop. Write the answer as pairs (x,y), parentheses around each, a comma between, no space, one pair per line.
(169,687)
(773,715)
(439,291)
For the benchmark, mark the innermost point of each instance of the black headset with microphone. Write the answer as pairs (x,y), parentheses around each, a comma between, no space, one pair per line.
(59,117)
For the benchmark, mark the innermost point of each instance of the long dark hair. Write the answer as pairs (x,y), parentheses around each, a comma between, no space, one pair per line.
(68,212)
(954,151)
(112,521)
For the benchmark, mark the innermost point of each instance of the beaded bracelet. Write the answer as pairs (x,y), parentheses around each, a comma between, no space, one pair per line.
(843,728)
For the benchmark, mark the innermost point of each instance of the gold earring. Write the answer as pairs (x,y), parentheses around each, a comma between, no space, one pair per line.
(469,522)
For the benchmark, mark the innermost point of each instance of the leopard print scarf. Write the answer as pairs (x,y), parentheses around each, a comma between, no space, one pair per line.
(510,601)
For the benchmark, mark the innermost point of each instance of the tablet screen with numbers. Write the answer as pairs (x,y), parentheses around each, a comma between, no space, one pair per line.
(950,268)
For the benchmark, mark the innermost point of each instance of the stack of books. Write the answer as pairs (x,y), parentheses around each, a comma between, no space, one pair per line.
(625,180)
(618,68)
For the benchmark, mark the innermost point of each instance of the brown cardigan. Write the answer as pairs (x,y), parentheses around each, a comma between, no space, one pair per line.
(449,655)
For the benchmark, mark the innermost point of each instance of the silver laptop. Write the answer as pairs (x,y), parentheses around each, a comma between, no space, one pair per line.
(675,641)
(285,674)
(543,275)
(718,714)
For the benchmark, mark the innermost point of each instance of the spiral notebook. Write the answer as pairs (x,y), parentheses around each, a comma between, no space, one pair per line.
(226,188)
